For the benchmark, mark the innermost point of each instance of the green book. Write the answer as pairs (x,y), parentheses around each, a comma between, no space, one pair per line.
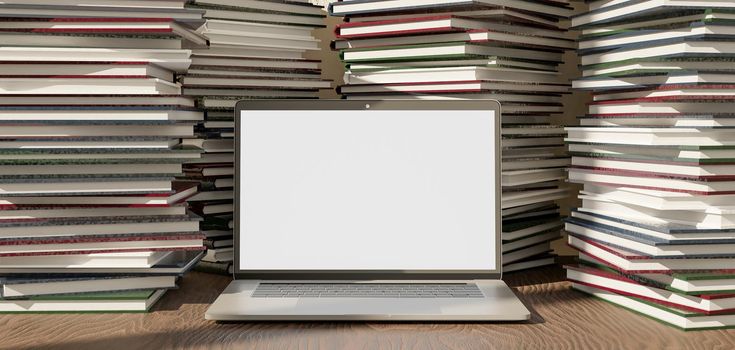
(103,302)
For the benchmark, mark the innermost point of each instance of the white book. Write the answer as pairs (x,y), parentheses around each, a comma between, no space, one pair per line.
(87,86)
(707,284)
(534,163)
(454,74)
(191,17)
(89,144)
(532,230)
(507,107)
(691,92)
(38,131)
(651,136)
(262,17)
(45,40)
(95,260)
(474,36)
(659,168)
(536,142)
(108,186)
(662,183)
(86,26)
(231,73)
(77,212)
(629,9)
(211,145)
(489,15)
(659,200)
(643,36)
(517,199)
(530,241)
(87,100)
(497,62)
(685,47)
(211,196)
(109,3)
(119,246)
(101,114)
(527,252)
(250,28)
(459,90)
(447,50)
(523,177)
(174,60)
(287,7)
(212,158)
(678,78)
(262,40)
(679,250)
(627,224)
(652,153)
(91,169)
(86,69)
(665,108)
(254,63)
(219,254)
(660,121)
(70,228)
(671,20)
(14,289)
(142,200)
(231,51)
(211,94)
(212,209)
(631,262)
(656,66)
(210,81)
(342,8)
(528,35)
(122,155)
(710,218)
(529,264)
(227,182)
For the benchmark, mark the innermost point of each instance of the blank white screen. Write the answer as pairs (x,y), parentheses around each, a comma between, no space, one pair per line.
(367,190)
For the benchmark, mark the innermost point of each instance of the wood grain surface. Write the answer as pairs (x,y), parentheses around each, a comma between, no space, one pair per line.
(562,319)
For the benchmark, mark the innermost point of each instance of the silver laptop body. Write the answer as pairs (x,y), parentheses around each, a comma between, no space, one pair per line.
(367,210)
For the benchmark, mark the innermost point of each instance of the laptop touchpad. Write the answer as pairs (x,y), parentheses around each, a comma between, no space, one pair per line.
(365,306)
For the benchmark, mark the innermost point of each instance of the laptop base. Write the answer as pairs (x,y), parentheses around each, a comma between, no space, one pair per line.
(237,304)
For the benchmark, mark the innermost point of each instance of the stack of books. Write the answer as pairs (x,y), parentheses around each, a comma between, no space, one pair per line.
(479,49)
(256,50)
(656,155)
(91,122)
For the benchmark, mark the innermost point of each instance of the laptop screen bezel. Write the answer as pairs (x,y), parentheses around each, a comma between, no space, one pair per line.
(348,105)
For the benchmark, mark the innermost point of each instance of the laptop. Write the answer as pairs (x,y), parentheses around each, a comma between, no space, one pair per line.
(367,210)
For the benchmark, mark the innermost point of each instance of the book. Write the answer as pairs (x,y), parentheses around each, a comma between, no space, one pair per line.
(342,8)
(633,262)
(125,301)
(92,120)
(529,263)
(19,287)
(706,304)
(682,319)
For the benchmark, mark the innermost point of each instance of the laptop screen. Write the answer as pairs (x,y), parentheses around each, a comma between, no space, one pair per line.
(334,190)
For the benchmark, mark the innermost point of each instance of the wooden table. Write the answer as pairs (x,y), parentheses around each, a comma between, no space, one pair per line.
(562,318)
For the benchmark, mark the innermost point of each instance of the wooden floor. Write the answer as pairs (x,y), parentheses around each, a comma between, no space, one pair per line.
(562,319)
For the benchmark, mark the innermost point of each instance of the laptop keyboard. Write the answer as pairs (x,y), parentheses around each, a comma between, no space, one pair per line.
(367,290)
